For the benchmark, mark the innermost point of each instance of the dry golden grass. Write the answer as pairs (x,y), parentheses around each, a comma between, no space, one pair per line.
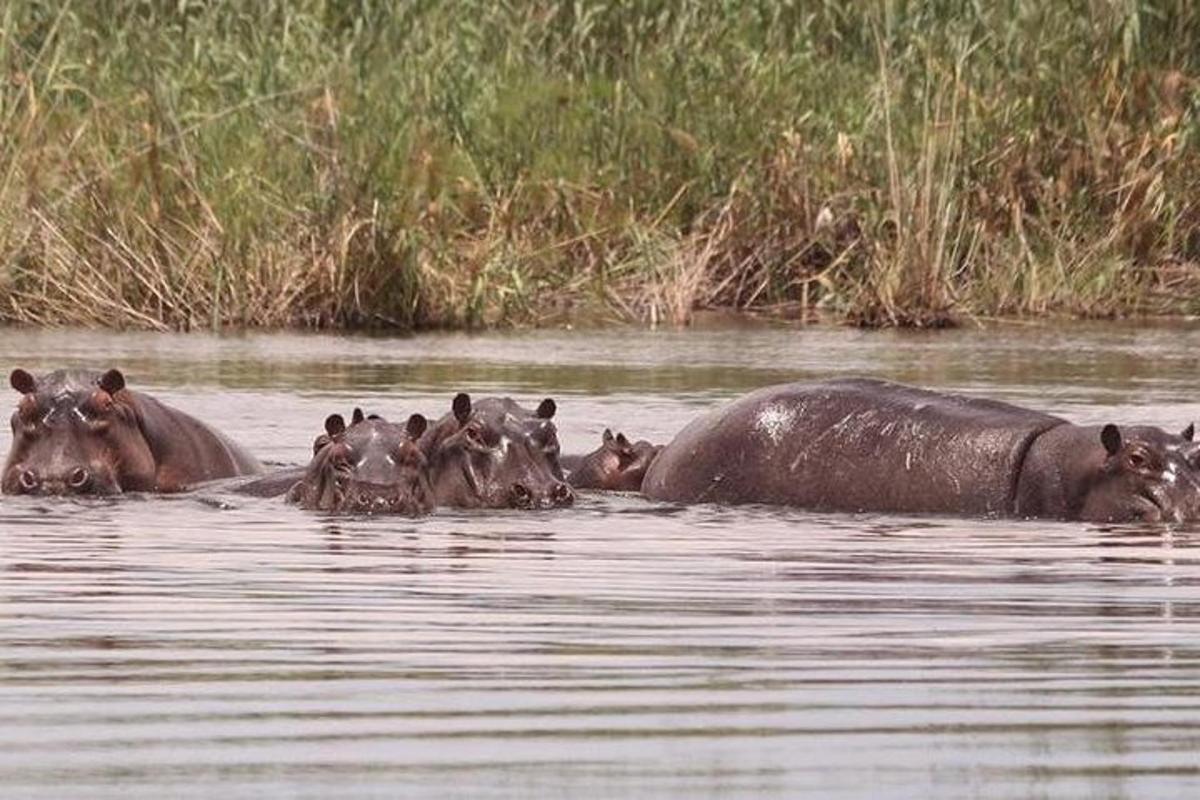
(202,166)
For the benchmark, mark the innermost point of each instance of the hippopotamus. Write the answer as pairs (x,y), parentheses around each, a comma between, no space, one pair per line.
(617,465)
(371,466)
(78,432)
(496,454)
(868,445)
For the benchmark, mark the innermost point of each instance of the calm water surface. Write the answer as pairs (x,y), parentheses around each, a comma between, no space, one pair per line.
(212,645)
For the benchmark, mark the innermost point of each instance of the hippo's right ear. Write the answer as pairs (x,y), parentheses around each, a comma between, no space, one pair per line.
(546,409)
(607,436)
(1189,432)
(416,426)
(461,407)
(23,382)
(335,425)
(1110,436)
(357,416)
(112,381)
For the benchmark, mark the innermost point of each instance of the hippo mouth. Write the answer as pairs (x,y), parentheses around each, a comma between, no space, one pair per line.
(1164,510)
(368,498)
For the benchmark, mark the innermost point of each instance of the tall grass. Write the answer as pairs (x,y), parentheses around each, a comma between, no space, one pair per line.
(208,163)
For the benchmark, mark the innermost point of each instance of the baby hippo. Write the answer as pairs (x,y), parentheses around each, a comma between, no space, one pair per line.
(371,467)
(618,465)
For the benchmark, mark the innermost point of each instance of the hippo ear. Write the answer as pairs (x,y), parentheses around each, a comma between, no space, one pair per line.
(607,436)
(112,381)
(1189,432)
(461,407)
(546,409)
(357,416)
(23,382)
(416,426)
(1110,435)
(335,424)
(622,442)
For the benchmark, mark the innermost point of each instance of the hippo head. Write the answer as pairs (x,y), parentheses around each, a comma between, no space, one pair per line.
(496,455)
(370,467)
(617,465)
(1147,475)
(76,433)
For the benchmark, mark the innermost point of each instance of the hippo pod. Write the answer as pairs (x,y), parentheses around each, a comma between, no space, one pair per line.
(617,465)
(77,432)
(496,454)
(866,445)
(371,466)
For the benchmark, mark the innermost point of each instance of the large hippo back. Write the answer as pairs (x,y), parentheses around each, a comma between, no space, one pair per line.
(852,445)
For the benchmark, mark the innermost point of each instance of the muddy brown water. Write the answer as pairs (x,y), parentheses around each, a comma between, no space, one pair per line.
(211,645)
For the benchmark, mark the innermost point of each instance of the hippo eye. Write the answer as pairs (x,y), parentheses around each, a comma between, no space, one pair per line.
(1137,460)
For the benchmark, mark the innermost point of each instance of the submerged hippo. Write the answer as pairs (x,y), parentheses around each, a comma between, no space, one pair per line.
(371,466)
(496,454)
(867,445)
(78,432)
(618,465)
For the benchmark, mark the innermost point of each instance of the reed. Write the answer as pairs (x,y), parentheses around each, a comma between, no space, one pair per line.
(408,165)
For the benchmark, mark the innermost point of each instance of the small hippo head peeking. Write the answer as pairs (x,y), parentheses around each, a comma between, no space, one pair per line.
(370,467)
(1146,475)
(618,465)
(495,454)
(76,433)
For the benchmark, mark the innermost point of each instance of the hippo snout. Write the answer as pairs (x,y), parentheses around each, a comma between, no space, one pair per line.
(369,498)
(78,480)
(519,496)
(562,495)
(558,495)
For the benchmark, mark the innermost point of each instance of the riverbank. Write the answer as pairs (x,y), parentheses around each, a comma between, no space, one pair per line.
(450,165)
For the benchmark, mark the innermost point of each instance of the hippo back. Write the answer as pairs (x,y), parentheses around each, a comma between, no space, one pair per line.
(187,450)
(852,445)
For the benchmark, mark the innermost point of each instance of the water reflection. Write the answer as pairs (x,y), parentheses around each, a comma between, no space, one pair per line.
(218,644)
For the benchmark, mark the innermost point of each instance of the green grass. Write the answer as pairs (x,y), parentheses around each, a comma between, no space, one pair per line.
(207,164)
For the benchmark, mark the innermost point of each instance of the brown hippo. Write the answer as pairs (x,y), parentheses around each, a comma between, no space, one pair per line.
(80,432)
(372,466)
(867,445)
(496,454)
(617,465)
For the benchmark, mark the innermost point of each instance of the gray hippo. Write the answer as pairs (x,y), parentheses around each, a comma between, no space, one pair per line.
(496,454)
(868,445)
(617,465)
(77,432)
(368,467)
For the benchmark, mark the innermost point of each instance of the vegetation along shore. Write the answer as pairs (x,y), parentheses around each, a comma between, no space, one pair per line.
(445,163)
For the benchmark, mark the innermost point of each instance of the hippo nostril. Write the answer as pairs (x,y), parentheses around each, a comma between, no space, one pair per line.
(79,478)
(28,480)
(521,496)
(562,495)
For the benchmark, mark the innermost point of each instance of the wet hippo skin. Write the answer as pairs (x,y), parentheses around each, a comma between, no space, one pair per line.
(79,432)
(496,454)
(867,445)
(371,466)
(617,465)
